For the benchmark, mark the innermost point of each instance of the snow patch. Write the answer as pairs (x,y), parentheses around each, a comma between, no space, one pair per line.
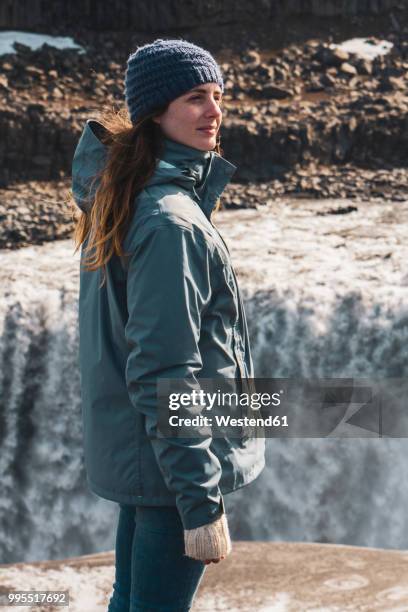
(34,41)
(367,48)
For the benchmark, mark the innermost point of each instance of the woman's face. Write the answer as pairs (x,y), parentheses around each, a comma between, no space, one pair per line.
(189,113)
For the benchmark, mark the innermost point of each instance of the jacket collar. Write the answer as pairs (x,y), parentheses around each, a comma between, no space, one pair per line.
(204,173)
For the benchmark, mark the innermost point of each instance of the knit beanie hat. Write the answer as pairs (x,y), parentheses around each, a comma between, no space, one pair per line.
(159,72)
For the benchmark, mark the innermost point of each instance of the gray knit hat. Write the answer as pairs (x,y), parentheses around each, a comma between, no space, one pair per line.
(160,71)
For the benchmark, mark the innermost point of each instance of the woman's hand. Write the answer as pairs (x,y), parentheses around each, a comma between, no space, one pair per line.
(209,543)
(214,560)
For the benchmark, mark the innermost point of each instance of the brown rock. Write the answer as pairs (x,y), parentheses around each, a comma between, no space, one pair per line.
(278,93)
(57,93)
(347,68)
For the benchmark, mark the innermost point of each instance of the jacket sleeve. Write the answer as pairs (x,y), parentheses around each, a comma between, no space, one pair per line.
(168,288)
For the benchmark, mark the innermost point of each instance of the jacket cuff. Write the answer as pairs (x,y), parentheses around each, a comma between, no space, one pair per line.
(203,515)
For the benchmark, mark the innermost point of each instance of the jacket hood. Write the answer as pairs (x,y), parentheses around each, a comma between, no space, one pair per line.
(204,173)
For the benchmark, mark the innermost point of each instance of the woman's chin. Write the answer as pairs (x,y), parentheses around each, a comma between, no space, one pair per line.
(206,141)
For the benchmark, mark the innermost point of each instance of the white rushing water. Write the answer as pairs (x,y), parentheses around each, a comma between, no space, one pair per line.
(326,296)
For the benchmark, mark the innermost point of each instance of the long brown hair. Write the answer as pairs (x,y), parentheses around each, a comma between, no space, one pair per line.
(130,162)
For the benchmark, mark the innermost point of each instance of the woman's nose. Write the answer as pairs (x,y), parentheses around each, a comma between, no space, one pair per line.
(214,108)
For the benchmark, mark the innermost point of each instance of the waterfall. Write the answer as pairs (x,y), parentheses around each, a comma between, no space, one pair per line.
(46,510)
(321,490)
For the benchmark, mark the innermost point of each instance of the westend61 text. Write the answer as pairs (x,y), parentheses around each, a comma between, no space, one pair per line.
(228,421)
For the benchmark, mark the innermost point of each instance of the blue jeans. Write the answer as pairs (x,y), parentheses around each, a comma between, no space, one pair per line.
(152,572)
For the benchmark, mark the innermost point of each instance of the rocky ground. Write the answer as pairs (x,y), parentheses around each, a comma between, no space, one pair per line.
(256,577)
(308,119)
(35,212)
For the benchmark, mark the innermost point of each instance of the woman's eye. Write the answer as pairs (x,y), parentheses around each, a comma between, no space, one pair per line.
(199,97)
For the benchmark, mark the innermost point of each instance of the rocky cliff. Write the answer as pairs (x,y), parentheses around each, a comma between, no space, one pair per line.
(309,119)
(155,15)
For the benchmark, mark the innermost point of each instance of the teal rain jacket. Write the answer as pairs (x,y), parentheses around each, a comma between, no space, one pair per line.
(173,310)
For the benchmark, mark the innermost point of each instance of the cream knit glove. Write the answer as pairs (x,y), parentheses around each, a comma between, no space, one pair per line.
(210,541)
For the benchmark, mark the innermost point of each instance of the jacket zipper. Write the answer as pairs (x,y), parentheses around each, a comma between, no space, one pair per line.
(237,350)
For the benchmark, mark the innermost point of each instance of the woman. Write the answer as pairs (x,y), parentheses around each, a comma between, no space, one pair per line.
(158,299)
